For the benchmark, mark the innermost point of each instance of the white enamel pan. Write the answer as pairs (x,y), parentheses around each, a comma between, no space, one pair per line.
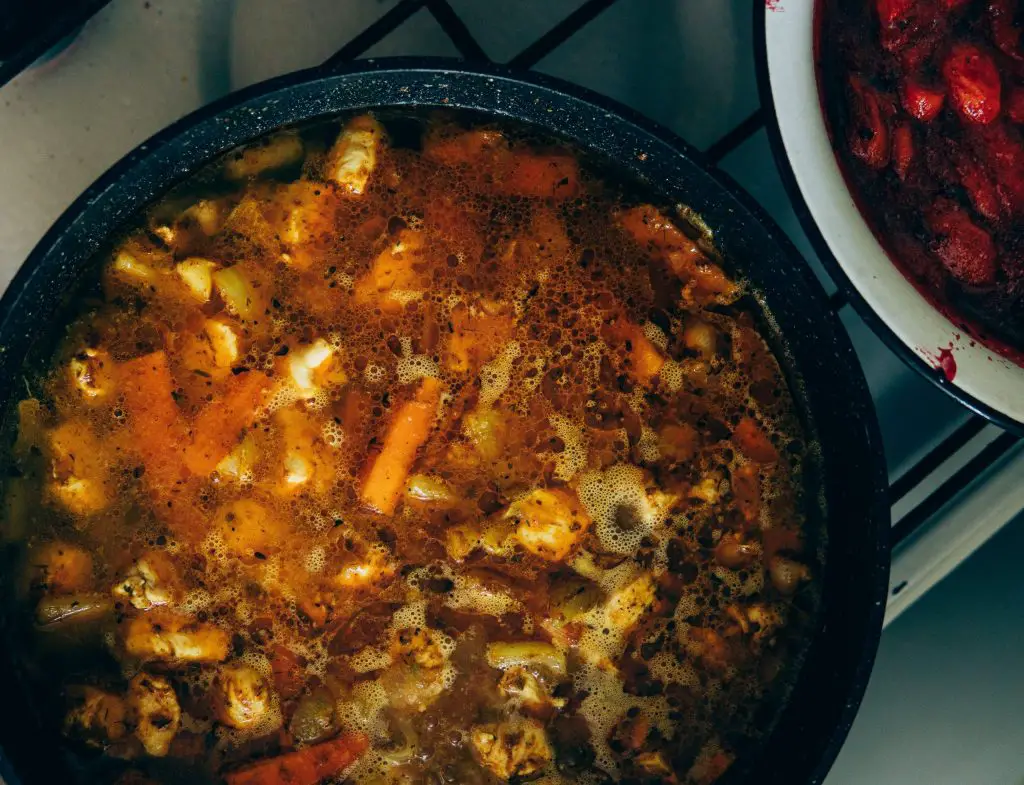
(925,338)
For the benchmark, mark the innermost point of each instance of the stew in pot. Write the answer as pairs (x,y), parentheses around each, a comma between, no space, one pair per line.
(411,453)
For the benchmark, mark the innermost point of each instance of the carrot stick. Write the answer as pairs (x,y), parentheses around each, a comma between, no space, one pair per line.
(308,766)
(155,421)
(651,228)
(218,426)
(406,434)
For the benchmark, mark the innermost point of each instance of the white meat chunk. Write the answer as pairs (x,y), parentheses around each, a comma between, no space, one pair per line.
(516,747)
(79,468)
(523,689)
(91,374)
(416,676)
(152,581)
(242,697)
(374,569)
(353,157)
(275,152)
(417,646)
(314,367)
(549,523)
(161,636)
(627,606)
(155,712)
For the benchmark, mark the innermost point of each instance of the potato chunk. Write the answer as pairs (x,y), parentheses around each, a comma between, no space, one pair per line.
(514,748)
(549,523)
(155,712)
(242,697)
(274,152)
(197,275)
(353,158)
(161,636)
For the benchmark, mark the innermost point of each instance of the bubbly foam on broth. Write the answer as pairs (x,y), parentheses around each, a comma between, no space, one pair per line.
(581,466)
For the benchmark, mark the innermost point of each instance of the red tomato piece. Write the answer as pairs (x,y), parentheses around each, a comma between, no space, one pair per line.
(869,133)
(920,102)
(1000,147)
(980,188)
(963,247)
(902,150)
(894,12)
(973,81)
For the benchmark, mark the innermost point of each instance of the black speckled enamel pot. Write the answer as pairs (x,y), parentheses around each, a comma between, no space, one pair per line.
(813,348)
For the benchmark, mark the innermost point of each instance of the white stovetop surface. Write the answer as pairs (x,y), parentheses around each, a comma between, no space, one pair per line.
(141,64)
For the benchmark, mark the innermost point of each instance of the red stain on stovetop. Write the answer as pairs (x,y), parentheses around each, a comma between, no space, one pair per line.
(943,361)
(773,5)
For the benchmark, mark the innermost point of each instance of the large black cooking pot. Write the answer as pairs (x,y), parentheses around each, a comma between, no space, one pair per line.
(814,350)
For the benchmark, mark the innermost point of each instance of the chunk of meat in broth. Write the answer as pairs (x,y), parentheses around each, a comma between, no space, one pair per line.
(416,677)
(549,524)
(163,636)
(155,711)
(704,279)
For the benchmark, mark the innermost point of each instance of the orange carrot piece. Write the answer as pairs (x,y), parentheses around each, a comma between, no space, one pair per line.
(753,442)
(155,421)
(651,228)
(308,766)
(218,426)
(406,434)
(530,174)
(708,278)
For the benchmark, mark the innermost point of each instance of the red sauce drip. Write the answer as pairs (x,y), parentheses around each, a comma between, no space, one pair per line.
(943,361)
(947,363)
